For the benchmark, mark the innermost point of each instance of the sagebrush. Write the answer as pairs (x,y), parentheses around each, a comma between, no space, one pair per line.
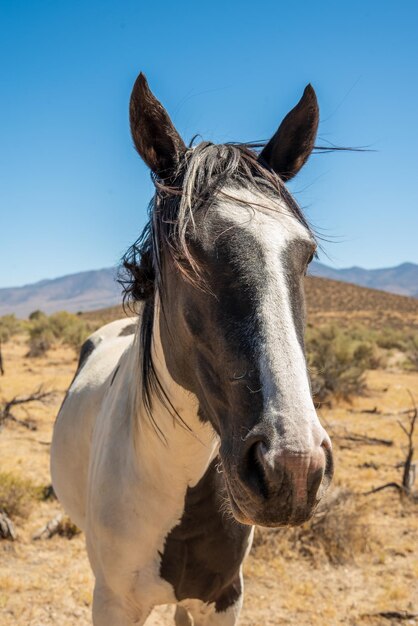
(65,328)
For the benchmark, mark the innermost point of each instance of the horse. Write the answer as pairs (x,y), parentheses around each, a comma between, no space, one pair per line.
(192,421)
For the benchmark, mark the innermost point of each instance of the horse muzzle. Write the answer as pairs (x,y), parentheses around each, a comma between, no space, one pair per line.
(275,486)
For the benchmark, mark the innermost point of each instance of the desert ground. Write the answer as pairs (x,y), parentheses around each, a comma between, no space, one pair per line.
(356,564)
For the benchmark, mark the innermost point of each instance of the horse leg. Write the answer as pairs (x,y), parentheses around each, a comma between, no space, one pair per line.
(229,607)
(109,611)
(213,618)
(225,618)
(182,617)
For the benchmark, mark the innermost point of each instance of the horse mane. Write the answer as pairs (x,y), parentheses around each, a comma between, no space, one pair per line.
(203,173)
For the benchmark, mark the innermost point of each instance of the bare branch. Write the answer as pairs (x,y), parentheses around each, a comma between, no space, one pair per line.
(59,525)
(409,469)
(373,411)
(50,529)
(7,529)
(359,438)
(391,615)
(1,361)
(29,424)
(403,428)
(39,395)
(386,486)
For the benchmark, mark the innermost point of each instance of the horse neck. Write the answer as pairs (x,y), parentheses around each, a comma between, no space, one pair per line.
(180,449)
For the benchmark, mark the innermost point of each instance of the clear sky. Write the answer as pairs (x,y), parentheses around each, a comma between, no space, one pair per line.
(73,192)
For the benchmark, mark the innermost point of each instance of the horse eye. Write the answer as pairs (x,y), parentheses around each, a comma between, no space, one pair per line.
(309,261)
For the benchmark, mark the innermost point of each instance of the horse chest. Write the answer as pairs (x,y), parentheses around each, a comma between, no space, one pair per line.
(203,554)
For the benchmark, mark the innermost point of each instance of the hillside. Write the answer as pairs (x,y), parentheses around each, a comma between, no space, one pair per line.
(402,279)
(344,302)
(331,300)
(76,292)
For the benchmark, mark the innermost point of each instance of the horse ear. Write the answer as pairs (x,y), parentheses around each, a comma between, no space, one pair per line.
(291,145)
(155,138)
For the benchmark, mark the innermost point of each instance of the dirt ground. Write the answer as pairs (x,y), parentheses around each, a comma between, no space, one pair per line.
(48,582)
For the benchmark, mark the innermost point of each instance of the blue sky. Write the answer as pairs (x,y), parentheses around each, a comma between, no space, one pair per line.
(73,192)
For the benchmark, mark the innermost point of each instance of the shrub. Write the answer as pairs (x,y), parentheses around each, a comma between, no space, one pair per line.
(337,363)
(36,315)
(61,327)
(41,336)
(392,339)
(9,326)
(412,360)
(67,528)
(16,495)
(69,328)
(339,528)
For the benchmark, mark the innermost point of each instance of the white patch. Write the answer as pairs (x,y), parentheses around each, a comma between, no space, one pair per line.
(119,480)
(284,378)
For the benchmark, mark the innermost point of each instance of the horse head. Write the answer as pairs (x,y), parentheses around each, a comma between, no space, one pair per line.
(226,250)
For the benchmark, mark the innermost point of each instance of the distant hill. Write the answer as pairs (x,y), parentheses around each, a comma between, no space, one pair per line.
(338,299)
(402,279)
(331,302)
(98,289)
(76,292)
(347,305)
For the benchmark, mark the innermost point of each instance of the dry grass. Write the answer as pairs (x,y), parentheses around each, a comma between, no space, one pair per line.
(339,532)
(341,529)
(355,561)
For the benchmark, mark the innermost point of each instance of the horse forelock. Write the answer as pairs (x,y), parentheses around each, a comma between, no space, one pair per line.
(200,180)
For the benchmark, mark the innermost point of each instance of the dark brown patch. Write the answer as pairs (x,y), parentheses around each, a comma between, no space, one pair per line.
(203,553)
(86,349)
(114,375)
(128,330)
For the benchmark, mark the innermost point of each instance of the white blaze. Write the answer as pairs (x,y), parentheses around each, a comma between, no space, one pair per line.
(284,378)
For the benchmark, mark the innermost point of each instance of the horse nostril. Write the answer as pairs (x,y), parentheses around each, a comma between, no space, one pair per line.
(314,482)
(326,444)
(260,452)
(298,478)
(255,466)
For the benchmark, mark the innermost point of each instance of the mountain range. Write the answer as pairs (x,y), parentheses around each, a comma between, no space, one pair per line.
(402,279)
(83,291)
(96,289)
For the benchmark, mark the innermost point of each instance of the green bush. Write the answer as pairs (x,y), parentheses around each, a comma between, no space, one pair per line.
(337,362)
(412,354)
(62,327)
(9,326)
(338,357)
(36,315)
(392,339)
(41,336)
